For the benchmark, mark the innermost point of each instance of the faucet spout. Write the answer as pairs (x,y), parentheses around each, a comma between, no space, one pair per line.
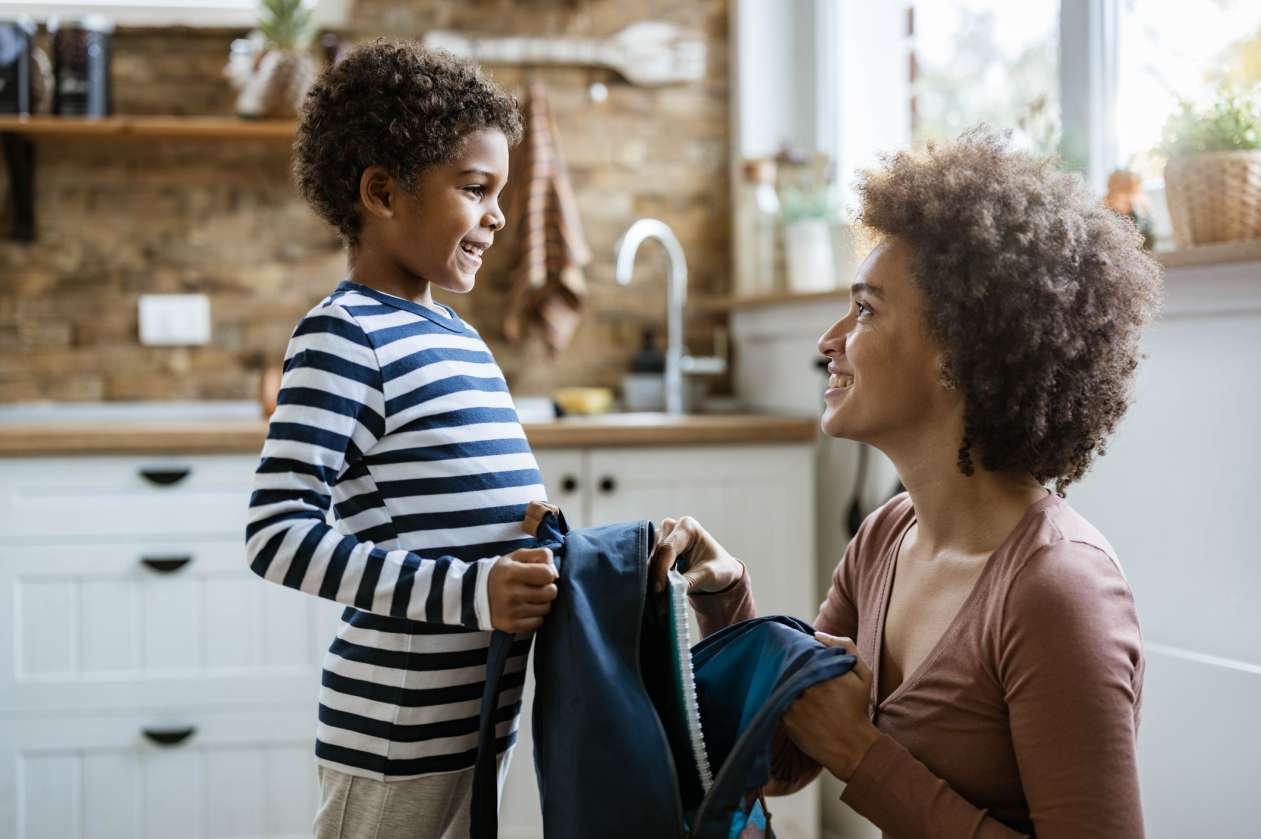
(676,294)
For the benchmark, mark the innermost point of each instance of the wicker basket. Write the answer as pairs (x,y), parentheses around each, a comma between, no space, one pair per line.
(1214,197)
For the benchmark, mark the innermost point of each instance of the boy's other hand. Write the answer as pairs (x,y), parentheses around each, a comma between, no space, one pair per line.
(710,567)
(521,588)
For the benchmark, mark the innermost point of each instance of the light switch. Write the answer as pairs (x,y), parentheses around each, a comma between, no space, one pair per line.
(179,320)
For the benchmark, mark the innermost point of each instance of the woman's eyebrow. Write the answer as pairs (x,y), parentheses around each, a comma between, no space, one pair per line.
(867,288)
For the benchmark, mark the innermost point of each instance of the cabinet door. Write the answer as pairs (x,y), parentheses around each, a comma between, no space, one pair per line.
(153,624)
(231,776)
(565,476)
(758,501)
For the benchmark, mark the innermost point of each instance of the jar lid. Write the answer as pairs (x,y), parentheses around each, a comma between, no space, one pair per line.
(88,23)
(24,22)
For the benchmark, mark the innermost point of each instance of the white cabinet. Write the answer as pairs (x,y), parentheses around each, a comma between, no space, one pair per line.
(150,684)
(219,776)
(757,500)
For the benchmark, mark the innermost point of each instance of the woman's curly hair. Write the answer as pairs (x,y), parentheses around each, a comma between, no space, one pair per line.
(1036,292)
(394,104)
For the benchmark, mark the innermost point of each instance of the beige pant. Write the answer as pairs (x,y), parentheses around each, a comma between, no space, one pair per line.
(432,807)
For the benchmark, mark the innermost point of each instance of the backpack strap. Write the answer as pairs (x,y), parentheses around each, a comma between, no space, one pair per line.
(546,523)
(484,817)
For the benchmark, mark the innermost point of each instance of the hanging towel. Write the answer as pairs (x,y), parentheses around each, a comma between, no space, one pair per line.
(548,287)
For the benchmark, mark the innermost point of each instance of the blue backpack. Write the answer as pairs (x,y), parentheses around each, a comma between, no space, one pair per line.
(610,757)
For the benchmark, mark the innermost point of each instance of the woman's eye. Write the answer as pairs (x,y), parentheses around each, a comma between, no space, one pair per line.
(863,310)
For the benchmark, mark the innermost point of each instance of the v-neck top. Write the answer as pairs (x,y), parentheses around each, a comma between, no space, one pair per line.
(1023,719)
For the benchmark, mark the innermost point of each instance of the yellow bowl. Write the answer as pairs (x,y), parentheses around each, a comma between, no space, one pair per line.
(583,400)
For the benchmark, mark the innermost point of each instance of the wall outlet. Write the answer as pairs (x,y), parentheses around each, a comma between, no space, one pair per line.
(174,320)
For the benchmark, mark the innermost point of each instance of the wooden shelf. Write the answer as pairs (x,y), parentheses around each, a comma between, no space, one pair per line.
(1247,251)
(778,298)
(149,127)
(19,133)
(1203,255)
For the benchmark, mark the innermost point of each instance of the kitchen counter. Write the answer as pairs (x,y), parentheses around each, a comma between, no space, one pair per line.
(237,435)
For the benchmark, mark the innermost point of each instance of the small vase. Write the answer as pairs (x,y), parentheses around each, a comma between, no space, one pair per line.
(278,85)
(809,254)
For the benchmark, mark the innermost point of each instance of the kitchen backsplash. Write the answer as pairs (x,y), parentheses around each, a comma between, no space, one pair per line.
(120,219)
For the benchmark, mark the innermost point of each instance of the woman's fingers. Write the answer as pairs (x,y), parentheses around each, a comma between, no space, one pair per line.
(659,564)
(675,537)
(860,667)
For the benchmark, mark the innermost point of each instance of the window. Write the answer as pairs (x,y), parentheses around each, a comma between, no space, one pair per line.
(986,61)
(1171,51)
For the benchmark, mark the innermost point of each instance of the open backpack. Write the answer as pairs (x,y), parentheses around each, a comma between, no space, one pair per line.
(636,734)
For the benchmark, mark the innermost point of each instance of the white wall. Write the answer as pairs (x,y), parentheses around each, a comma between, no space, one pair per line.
(1177,497)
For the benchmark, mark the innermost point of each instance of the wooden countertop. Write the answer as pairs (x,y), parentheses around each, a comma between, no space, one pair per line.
(246,436)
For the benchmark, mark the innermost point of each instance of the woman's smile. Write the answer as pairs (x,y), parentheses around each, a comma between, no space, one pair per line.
(838,382)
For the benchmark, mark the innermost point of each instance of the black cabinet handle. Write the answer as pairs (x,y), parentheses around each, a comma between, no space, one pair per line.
(568,484)
(169,736)
(607,484)
(165,564)
(165,477)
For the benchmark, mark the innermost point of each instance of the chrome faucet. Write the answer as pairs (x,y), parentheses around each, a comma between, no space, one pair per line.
(678,361)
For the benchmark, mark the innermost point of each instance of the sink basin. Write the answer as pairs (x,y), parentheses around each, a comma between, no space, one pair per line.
(96,413)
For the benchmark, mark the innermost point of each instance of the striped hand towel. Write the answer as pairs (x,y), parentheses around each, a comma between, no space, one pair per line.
(548,287)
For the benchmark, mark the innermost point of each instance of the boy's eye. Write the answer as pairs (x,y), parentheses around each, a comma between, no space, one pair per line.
(477,189)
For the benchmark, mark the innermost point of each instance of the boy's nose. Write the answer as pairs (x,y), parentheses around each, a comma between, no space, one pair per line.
(495,219)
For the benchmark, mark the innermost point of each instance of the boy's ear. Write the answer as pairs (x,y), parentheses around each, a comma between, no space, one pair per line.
(377,192)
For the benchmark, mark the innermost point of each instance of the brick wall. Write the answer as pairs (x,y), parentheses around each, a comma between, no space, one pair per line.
(120,219)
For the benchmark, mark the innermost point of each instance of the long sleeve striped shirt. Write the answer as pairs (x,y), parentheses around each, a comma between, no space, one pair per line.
(395,472)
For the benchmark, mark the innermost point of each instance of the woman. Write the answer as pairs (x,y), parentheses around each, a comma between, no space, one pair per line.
(989,349)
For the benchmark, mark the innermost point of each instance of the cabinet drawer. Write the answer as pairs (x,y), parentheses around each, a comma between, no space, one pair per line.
(125,497)
(153,624)
(218,776)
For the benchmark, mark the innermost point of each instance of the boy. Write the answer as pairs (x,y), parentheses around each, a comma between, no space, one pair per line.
(395,424)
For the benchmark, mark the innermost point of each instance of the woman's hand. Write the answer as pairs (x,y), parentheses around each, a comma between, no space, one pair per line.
(829,721)
(710,568)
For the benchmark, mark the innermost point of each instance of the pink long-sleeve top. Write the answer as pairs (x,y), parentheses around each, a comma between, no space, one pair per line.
(1023,719)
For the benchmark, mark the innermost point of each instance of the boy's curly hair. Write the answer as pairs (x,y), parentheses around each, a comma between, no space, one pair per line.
(1035,290)
(394,104)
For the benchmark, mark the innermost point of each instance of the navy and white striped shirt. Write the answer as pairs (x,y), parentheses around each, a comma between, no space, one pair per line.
(394,473)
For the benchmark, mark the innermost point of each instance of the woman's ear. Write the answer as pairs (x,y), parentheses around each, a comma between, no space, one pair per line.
(377,192)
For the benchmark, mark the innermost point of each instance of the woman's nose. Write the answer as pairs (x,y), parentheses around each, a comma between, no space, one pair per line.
(832,342)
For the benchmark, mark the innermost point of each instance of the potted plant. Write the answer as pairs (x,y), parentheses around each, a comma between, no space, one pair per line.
(808,213)
(283,68)
(1213,174)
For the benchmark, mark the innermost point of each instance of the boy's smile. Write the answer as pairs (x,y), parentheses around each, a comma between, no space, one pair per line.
(435,234)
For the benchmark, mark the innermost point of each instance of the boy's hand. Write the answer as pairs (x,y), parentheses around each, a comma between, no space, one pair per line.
(521,588)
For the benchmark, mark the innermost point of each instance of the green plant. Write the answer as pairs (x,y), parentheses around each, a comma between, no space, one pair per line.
(1230,123)
(285,23)
(799,203)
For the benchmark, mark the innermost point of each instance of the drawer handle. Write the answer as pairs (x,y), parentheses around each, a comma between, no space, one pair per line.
(165,477)
(607,485)
(169,736)
(568,484)
(165,564)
